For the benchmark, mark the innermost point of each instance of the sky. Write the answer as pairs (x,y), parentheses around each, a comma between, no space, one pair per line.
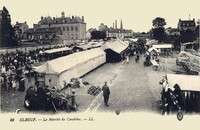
(135,14)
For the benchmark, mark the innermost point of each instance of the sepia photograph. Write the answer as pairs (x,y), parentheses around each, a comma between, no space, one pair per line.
(100,63)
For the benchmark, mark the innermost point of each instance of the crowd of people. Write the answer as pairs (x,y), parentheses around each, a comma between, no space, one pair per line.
(16,68)
(44,98)
(15,64)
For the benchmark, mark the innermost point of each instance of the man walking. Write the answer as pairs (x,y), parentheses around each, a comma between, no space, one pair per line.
(106,93)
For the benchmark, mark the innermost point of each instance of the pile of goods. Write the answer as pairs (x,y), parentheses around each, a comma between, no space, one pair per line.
(94,90)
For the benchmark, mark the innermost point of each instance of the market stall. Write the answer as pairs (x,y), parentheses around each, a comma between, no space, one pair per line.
(189,88)
(115,50)
(61,70)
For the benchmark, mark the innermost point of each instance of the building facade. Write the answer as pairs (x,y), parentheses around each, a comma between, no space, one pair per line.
(115,32)
(20,30)
(184,25)
(172,31)
(6,30)
(72,27)
(103,27)
(44,35)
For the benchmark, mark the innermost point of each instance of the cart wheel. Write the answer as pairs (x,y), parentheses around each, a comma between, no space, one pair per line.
(179,115)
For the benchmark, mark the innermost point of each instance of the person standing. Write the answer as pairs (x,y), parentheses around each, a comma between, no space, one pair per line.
(14,84)
(106,93)
(127,59)
(21,84)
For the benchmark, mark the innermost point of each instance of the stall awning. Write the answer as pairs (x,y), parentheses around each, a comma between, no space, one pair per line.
(151,42)
(159,46)
(152,48)
(117,46)
(186,82)
(188,43)
(57,50)
(85,46)
(64,63)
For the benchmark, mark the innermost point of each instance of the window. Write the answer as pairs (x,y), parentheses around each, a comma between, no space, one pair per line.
(63,28)
(67,28)
(76,28)
(72,28)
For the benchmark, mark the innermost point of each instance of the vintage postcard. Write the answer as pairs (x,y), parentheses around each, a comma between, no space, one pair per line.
(100,64)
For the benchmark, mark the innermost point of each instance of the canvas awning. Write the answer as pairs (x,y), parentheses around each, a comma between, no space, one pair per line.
(159,46)
(117,46)
(152,48)
(85,46)
(57,50)
(186,82)
(64,63)
(188,43)
(151,42)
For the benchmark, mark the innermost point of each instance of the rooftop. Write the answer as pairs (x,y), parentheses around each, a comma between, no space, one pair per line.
(61,20)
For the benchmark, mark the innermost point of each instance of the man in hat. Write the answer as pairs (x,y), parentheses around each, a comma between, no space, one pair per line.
(106,93)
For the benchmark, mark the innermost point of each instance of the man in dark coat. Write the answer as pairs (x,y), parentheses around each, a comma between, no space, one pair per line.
(21,84)
(106,93)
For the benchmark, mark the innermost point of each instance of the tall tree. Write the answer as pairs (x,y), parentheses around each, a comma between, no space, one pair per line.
(98,34)
(159,30)
(159,22)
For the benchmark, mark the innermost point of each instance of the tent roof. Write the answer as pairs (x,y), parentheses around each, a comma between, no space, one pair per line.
(186,82)
(150,42)
(188,43)
(85,46)
(163,46)
(118,46)
(64,63)
(152,48)
(57,50)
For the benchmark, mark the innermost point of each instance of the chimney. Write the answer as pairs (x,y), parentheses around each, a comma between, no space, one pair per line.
(25,22)
(121,26)
(42,17)
(115,24)
(83,18)
(72,17)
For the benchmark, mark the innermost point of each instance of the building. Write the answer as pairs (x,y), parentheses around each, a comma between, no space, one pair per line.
(20,30)
(114,32)
(172,31)
(73,28)
(103,27)
(184,25)
(140,35)
(44,35)
(6,30)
